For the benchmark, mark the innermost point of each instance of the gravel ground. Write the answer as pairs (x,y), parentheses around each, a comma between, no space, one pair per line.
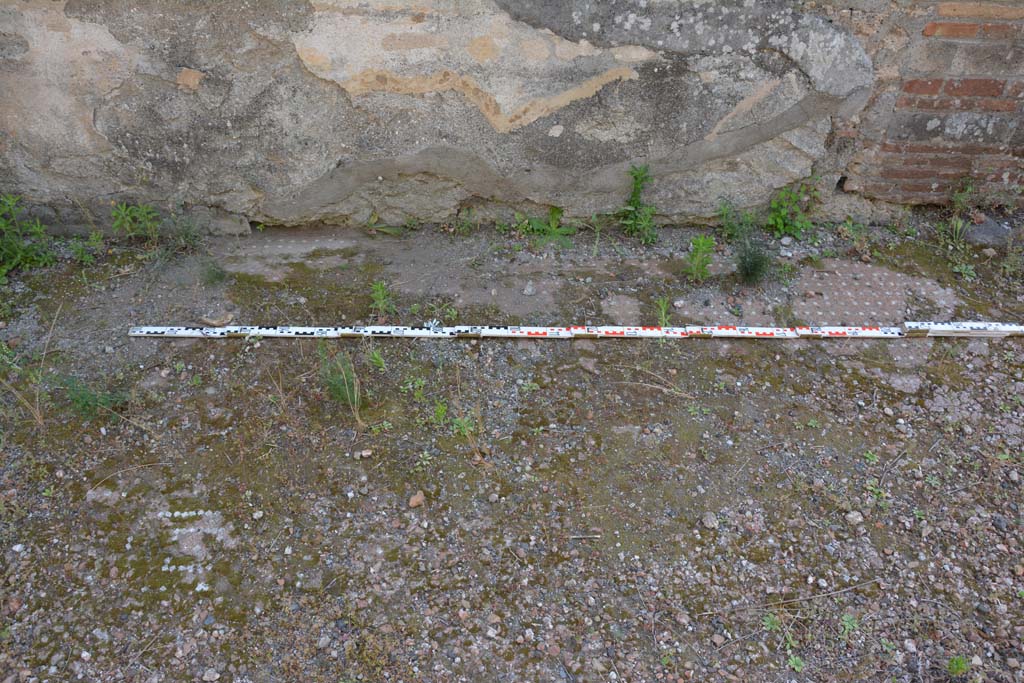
(504,510)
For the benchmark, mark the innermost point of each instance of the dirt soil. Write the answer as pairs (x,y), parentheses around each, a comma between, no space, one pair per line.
(595,510)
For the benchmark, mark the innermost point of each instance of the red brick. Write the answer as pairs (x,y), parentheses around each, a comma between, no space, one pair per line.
(995,104)
(999,31)
(980,10)
(918,173)
(946,29)
(983,165)
(977,87)
(960,163)
(929,86)
(955,148)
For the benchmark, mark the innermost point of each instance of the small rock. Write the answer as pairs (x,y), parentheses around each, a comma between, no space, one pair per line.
(108,349)
(86,655)
(854,517)
(989,252)
(323,643)
(786,241)
(1012,663)
(530,290)
(493,498)
(709,520)
(718,639)
(258,515)
(416,499)
(211,675)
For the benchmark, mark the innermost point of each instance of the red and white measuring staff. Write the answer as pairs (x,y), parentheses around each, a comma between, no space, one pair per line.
(909,329)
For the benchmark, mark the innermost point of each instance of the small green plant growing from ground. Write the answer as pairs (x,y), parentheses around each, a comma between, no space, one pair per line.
(440,416)
(340,380)
(663,304)
(699,257)
(637,217)
(423,462)
(548,230)
(957,666)
(136,221)
(771,622)
(953,233)
(848,625)
(795,663)
(377,360)
(787,212)
(963,197)
(752,260)
(735,224)
(23,244)
(382,301)
(84,252)
(966,271)
(88,402)
(463,426)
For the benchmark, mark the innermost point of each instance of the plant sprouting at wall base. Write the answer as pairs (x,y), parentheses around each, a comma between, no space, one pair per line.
(787,213)
(636,217)
(23,244)
(545,231)
(699,257)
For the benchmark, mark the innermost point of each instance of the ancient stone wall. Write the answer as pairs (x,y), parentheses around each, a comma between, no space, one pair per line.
(345,111)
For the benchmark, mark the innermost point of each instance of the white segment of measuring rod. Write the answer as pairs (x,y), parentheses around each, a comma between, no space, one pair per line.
(909,329)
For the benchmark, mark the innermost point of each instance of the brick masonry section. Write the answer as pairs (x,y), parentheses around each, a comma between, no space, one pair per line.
(954,110)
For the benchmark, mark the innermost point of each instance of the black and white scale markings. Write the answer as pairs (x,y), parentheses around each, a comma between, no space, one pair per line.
(908,329)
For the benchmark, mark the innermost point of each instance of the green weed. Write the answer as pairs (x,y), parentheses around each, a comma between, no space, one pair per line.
(953,233)
(662,303)
(735,224)
(377,360)
(23,244)
(848,625)
(795,663)
(423,462)
(752,261)
(440,416)
(958,665)
(787,212)
(548,230)
(340,380)
(636,217)
(463,426)
(699,257)
(966,271)
(84,252)
(382,300)
(136,221)
(382,426)
(771,622)
(964,197)
(88,402)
